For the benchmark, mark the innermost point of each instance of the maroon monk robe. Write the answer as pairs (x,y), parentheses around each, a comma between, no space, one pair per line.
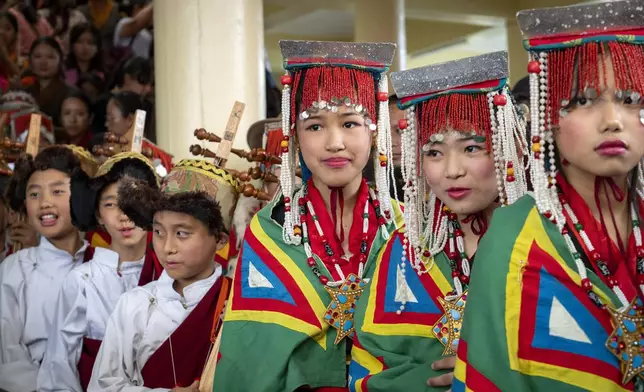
(151,271)
(191,343)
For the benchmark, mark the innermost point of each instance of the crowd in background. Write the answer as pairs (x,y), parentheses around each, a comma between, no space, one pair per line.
(87,63)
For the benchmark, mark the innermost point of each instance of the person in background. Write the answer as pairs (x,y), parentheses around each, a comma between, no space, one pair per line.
(273,93)
(136,76)
(62,17)
(31,26)
(10,62)
(48,87)
(131,32)
(86,54)
(92,85)
(121,109)
(104,15)
(76,119)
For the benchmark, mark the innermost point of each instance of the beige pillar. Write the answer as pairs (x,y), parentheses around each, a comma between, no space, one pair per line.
(208,54)
(382,21)
(517,55)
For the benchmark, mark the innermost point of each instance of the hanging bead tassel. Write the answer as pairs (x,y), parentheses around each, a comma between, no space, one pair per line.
(383,165)
(508,138)
(287,174)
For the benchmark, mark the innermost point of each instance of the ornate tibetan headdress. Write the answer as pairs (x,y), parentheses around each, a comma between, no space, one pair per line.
(194,187)
(568,47)
(468,96)
(327,76)
(87,161)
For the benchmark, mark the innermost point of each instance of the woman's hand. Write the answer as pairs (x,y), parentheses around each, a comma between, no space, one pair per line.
(444,380)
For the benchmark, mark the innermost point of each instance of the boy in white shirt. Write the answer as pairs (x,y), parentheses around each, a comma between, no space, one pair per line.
(90,292)
(185,304)
(31,278)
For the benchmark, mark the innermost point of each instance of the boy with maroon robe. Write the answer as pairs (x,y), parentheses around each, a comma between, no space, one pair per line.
(160,335)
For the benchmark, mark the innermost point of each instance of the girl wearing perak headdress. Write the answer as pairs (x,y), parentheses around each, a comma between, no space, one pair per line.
(309,309)
(463,150)
(557,304)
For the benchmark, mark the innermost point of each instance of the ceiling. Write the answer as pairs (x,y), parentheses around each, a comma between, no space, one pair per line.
(436,30)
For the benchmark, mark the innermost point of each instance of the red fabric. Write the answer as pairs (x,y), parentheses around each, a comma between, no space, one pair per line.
(152,268)
(158,153)
(20,122)
(151,271)
(355,233)
(85,140)
(623,267)
(190,346)
(89,254)
(540,260)
(474,380)
(87,359)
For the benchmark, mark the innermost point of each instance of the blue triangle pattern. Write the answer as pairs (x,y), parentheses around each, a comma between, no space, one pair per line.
(425,304)
(549,288)
(277,292)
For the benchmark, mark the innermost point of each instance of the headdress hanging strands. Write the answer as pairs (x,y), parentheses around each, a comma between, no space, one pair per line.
(471,96)
(580,38)
(568,49)
(327,76)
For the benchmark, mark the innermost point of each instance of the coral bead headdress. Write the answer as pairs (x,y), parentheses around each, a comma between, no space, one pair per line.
(470,95)
(568,47)
(327,76)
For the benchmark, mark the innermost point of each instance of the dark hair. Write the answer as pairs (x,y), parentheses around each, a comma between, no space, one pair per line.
(74,92)
(52,43)
(393,99)
(137,68)
(521,90)
(57,9)
(86,191)
(91,78)
(57,158)
(96,64)
(28,11)
(127,6)
(128,102)
(11,18)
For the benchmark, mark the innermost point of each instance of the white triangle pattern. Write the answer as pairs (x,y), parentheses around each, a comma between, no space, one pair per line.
(256,279)
(403,291)
(563,325)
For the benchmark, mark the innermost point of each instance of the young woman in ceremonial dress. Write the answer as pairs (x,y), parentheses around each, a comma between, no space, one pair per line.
(557,304)
(463,154)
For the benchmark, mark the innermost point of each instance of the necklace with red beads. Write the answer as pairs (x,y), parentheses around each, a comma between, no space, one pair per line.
(625,342)
(346,291)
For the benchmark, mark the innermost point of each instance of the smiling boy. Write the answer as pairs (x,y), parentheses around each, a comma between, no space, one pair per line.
(31,279)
